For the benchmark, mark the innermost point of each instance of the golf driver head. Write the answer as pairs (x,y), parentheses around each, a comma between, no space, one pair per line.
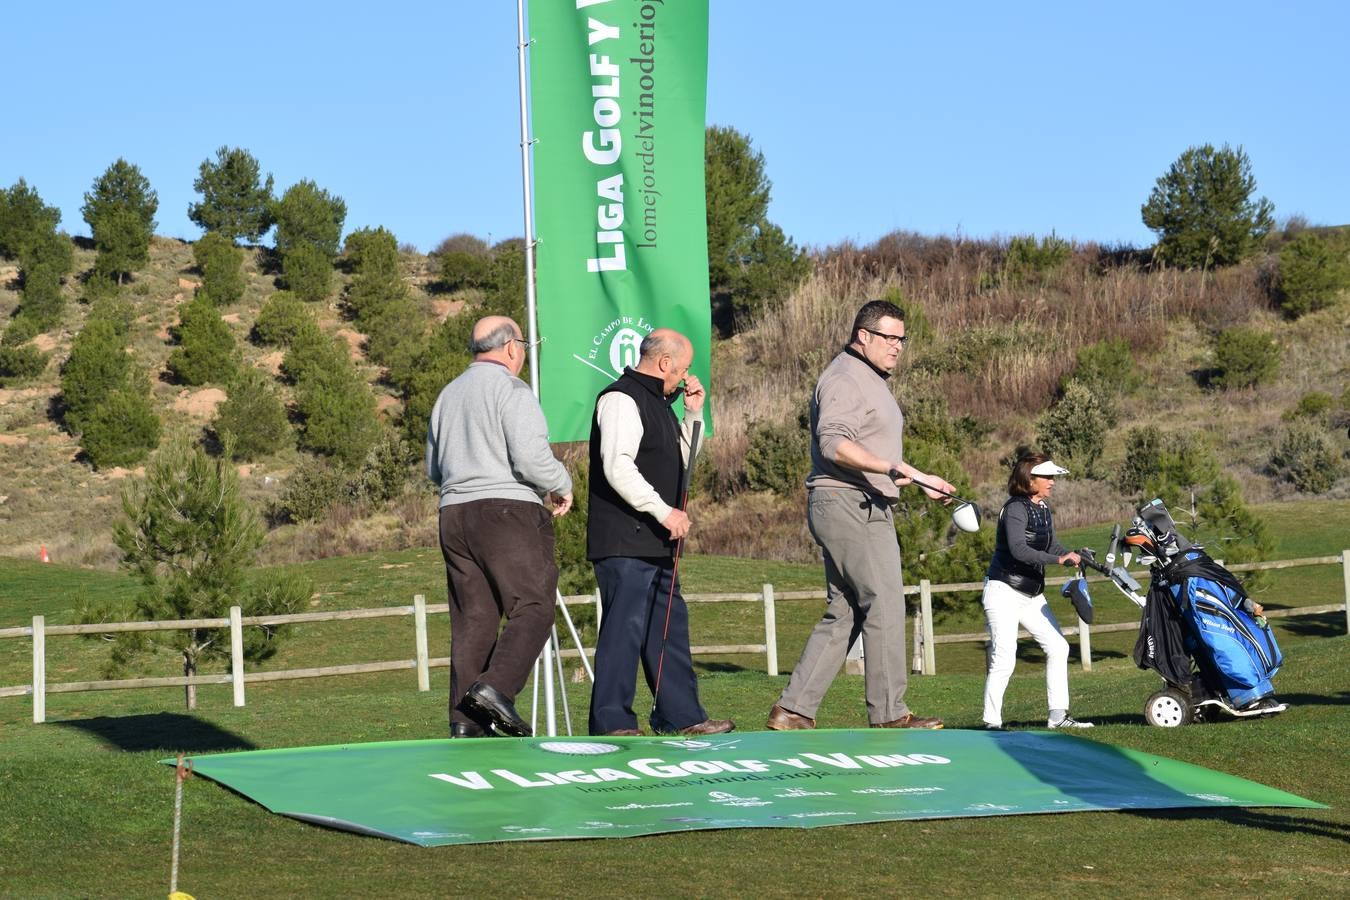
(967,517)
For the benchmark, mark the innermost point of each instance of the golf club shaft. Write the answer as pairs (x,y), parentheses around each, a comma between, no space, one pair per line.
(895,473)
(694,436)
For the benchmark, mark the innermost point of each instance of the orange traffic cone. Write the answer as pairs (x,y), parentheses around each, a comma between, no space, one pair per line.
(42,553)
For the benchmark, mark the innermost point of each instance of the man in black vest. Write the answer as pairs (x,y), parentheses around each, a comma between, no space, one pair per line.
(638,454)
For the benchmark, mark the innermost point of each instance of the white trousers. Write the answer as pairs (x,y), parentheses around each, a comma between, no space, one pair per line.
(1007,609)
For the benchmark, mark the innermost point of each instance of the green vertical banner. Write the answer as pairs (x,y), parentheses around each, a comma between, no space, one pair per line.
(618,99)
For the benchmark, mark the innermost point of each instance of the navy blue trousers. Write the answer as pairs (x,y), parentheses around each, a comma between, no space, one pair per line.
(633,596)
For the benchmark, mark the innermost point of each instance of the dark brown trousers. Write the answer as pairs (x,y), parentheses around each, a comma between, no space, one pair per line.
(498,564)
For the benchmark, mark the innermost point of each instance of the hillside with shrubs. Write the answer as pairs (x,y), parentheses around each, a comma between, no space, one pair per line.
(310,367)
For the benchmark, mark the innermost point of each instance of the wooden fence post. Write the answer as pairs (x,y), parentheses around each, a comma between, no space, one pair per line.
(770,631)
(1345,576)
(916,653)
(1085,645)
(926,608)
(237,654)
(420,641)
(39,669)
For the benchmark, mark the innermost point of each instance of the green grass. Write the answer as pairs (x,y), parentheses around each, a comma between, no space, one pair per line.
(87,812)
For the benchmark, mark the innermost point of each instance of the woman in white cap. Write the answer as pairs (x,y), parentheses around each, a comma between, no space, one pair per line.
(1014,590)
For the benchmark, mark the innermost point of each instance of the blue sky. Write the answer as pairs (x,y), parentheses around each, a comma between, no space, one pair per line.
(987,119)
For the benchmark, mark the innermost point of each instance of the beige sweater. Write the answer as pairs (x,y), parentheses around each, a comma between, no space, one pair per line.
(852,402)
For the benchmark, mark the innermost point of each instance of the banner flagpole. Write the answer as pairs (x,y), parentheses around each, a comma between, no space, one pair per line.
(545,663)
(531,300)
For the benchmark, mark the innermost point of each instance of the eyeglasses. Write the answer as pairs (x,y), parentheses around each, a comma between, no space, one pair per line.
(891,339)
(529,343)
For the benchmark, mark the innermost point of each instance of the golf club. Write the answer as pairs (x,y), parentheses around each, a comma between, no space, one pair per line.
(966,516)
(694,436)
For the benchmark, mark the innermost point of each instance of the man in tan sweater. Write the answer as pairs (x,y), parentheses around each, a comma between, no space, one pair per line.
(857,469)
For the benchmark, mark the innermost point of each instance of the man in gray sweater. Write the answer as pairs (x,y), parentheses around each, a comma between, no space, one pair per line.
(857,469)
(488,451)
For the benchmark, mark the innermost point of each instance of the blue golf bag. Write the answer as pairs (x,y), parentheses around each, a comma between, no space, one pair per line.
(1198,611)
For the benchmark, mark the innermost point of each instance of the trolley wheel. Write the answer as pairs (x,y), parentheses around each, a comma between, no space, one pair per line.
(1168,708)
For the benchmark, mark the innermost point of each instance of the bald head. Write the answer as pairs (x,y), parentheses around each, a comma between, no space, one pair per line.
(492,333)
(665,341)
(497,339)
(666,354)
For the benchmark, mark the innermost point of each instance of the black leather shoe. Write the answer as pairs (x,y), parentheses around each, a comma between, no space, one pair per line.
(487,704)
(466,730)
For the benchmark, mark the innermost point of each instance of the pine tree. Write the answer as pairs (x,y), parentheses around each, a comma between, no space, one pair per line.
(190,539)
(206,350)
(1203,211)
(98,366)
(120,209)
(252,421)
(236,202)
(222,266)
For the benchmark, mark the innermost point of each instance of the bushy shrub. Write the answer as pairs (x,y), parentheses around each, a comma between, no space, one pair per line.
(372,252)
(460,270)
(206,350)
(778,457)
(396,335)
(98,366)
(1306,458)
(1315,406)
(338,412)
(308,272)
(19,363)
(1106,366)
(1026,256)
(1142,446)
(118,312)
(282,317)
(21,329)
(309,493)
(1312,273)
(252,420)
(122,429)
(1244,357)
(1073,431)
(385,472)
(312,352)
(222,266)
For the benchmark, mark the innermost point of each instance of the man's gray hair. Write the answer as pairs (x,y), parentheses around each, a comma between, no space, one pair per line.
(500,336)
(656,344)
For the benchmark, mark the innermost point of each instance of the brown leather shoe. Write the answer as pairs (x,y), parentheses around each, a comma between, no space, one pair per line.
(786,720)
(623,732)
(709,726)
(909,720)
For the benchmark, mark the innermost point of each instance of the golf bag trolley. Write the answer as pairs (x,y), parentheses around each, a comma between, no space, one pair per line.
(1199,630)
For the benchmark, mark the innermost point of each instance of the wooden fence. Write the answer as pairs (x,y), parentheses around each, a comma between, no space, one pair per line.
(924,656)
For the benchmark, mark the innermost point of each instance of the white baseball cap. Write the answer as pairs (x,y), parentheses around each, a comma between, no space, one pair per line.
(1049,468)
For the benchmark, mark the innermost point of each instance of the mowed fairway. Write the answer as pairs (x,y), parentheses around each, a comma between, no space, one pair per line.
(86,811)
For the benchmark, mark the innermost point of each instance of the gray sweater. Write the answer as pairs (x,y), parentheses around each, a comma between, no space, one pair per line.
(852,402)
(488,439)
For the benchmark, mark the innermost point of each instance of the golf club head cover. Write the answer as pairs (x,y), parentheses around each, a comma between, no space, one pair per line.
(1077,592)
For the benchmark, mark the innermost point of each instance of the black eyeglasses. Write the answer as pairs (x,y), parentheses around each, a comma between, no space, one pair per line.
(891,339)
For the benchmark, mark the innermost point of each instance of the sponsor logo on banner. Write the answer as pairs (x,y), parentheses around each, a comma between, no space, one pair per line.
(616,346)
(728,799)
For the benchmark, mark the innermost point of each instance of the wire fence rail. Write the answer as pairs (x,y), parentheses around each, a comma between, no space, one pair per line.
(924,655)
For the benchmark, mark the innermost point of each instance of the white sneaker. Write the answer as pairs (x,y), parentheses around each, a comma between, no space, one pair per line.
(1068,722)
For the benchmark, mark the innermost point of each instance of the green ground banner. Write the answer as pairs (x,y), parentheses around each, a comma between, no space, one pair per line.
(617,95)
(512,789)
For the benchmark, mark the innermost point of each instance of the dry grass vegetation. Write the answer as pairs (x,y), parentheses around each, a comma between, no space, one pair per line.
(998,341)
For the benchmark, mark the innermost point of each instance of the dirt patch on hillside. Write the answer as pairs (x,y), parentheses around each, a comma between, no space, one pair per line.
(444,309)
(13,440)
(199,405)
(272,362)
(354,341)
(45,343)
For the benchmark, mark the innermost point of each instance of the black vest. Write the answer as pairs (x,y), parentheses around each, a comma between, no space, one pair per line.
(613,528)
(1029,578)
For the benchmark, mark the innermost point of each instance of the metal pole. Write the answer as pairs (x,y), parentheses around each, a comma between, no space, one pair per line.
(522,44)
